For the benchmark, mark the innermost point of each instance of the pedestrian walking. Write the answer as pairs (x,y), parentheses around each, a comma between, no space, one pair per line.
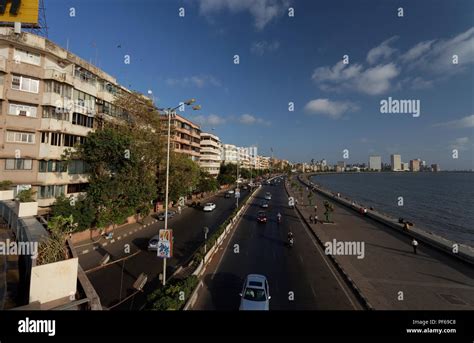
(415,245)
(315,219)
(311,219)
(315,208)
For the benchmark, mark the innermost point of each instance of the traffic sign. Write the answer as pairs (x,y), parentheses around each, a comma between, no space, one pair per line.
(165,244)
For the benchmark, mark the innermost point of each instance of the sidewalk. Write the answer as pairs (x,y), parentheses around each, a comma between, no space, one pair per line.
(391,276)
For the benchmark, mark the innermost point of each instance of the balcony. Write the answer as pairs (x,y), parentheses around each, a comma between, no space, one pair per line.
(3,64)
(52,74)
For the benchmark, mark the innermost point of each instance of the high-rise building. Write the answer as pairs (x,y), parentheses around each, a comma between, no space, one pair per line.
(415,165)
(405,166)
(435,168)
(50,100)
(375,163)
(210,153)
(396,161)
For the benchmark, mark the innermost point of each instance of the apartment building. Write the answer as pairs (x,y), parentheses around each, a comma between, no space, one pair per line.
(210,153)
(185,135)
(375,163)
(230,154)
(415,165)
(396,162)
(50,100)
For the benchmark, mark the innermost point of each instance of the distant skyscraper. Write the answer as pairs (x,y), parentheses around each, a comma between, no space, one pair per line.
(323,163)
(341,164)
(405,166)
(396,162)
(375,163)
(415,165)
(435,167)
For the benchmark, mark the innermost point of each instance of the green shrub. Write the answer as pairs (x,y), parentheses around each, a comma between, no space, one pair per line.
(5,185)
(170,297)
(26,195)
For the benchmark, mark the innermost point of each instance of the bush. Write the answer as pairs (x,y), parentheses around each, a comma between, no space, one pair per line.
(26,195)
(171,297)
(5,185)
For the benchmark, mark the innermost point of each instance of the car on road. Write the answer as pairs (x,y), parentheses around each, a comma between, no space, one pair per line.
(255,294)
(268,196)
(245,187)
(264,204)
(162,215)
(262,217)
(153,243)
(227,195)
(209,207)
(230,191)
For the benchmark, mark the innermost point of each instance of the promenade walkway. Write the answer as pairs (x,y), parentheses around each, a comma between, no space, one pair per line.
(391,275)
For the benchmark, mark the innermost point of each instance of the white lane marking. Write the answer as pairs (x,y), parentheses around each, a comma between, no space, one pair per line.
(325,261)
(130,233)
(85,251)
(119,238)
(312,290)
(112,241)
(125,235)
(301,258)
(95,248)
(104,244)
(136,231)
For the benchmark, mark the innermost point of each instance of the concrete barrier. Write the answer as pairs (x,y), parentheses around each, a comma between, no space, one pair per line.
(465,252)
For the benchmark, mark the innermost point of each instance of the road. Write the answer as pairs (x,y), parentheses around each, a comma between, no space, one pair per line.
(114,282)
(300,278)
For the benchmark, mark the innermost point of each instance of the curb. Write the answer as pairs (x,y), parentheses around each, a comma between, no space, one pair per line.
(358,293)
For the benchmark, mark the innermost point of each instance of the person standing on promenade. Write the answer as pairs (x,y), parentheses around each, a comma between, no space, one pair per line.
(311,219)
(315,219)
(315,208)
(415,245)
(405,226)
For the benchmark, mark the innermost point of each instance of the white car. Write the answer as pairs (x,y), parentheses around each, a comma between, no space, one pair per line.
(268,196)
(153,243)
(230,191)
(255,294)
(209,207)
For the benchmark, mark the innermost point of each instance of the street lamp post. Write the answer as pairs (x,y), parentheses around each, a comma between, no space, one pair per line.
(170,112)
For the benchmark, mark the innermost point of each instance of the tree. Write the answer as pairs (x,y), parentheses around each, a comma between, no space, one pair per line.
(81,210)
(227,174)
(207,183)
(183,178)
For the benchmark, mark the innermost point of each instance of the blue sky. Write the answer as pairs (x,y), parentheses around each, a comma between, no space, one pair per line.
(294,59)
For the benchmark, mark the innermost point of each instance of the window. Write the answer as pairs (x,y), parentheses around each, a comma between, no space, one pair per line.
(83,120)
(51,191)
(25,84)
(27,57)
(58,88)
(70,140)
(77,187)
(44,137)
(20,137)
(55,139)
(54,113)
(22,110)
(77,167)
(18,164)
(52,166)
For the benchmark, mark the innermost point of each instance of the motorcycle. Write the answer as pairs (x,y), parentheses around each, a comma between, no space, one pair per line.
(290,242)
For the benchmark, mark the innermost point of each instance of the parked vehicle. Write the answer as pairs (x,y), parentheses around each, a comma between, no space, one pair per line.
(162,215)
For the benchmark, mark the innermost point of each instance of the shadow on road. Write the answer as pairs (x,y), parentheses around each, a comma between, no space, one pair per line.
(224,289)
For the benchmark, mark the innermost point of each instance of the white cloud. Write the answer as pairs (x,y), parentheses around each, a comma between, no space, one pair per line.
(263,11)
(249,119)
(260,48)
(198,81)
(460,143)
(417,51)
(466,122)
(211,119)
(383,51)
(375,80)
(331,109)
(436,56)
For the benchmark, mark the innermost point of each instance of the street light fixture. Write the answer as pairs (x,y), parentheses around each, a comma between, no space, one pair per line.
(170,113)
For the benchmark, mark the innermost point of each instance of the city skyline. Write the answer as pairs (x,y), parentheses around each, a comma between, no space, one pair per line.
(336,105)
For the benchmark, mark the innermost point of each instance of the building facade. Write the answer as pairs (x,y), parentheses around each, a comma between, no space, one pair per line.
(414,165)
(50,100)
(185,135)
(396,162)
(230,154)
(210,153)
(375,163)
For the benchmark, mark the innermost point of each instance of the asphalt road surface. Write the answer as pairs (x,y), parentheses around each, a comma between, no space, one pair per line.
(300,278)
(114,282)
